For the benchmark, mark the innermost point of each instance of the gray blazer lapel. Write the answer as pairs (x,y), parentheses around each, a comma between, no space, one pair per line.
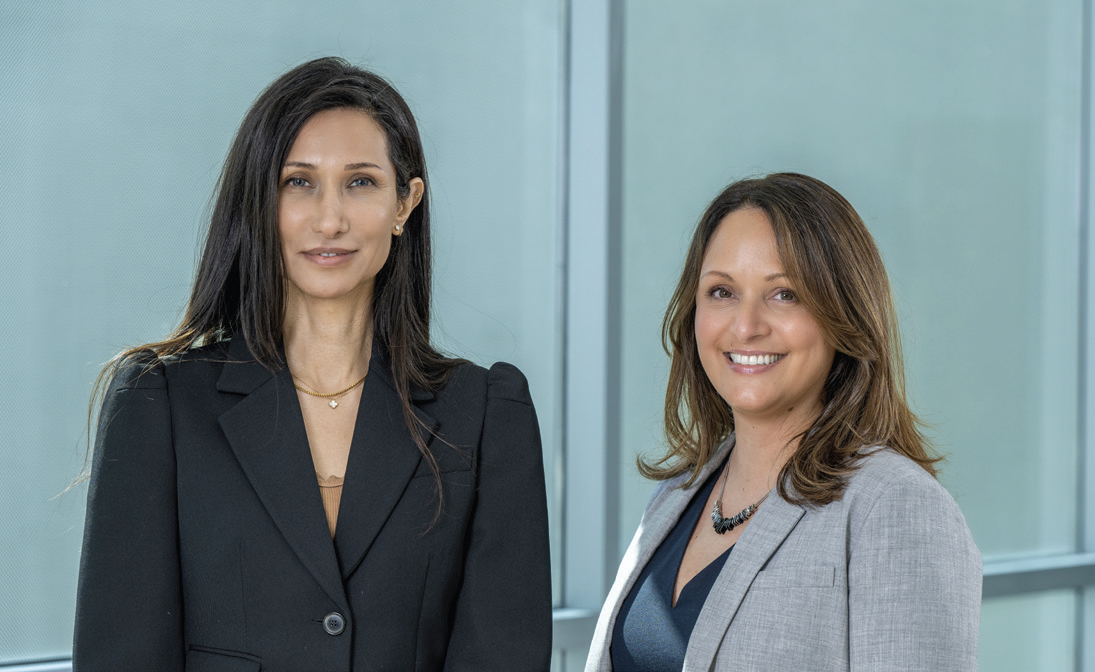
(766,531)
(662,513)
(266,432)
(383,459)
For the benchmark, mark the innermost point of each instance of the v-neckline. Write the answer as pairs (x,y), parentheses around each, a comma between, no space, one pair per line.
(703,495)
(720,560)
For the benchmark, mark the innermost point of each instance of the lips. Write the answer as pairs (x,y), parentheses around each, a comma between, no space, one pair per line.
(754,360)
(327,252)
(328,256)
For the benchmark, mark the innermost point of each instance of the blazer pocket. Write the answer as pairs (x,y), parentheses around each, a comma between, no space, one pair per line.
(818,576)
(207,659)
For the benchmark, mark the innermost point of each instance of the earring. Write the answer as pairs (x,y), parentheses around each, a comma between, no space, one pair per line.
(398,229)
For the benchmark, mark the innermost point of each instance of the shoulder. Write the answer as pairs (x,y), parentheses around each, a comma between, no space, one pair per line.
(215,354)
(890,490)
(505,381)
(141,370)
(881,470)
(493,405)
(501,382)
(913,570)
(144,370)
(133,401)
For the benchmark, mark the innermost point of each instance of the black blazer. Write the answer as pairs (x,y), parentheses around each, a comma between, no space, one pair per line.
(206,547)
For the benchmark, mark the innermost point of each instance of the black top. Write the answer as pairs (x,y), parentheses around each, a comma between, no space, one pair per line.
(651,635)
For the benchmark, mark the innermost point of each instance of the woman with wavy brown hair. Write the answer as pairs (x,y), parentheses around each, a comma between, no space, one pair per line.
(798,525)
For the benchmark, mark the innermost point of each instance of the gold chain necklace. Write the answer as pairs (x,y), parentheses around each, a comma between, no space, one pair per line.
(331,395)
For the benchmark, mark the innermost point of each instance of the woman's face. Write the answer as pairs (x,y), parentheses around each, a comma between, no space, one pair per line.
(338,207)
(761,349)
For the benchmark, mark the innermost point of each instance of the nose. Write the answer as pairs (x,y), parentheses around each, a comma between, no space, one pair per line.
(330,219)
(750,321)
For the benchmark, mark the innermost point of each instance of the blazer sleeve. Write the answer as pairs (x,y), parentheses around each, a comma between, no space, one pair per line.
(914,582)
(503,613)
(128,599)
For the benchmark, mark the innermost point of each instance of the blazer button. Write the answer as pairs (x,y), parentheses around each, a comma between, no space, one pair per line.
(333,623)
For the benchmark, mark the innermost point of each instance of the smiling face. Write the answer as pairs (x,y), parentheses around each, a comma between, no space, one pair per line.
(338,207)
(764,353)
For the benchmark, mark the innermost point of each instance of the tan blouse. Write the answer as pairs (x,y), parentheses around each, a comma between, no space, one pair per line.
(330,491)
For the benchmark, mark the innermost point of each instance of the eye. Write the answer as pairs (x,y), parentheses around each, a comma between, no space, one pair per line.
(296,182)
(362,182)
(720,293)
(785,295)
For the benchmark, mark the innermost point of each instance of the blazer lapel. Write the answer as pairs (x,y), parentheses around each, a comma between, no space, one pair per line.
(383,460)
(665,509)
(764,535)
(266,432)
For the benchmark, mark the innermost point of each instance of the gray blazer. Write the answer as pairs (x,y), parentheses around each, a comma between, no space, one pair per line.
(887,578)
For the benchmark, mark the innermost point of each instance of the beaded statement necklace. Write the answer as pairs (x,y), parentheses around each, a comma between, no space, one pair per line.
(724,525)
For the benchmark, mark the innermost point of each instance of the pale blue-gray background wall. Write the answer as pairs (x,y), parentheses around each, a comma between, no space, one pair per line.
(958,128)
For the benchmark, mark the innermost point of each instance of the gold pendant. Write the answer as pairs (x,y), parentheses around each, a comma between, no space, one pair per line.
(332,403)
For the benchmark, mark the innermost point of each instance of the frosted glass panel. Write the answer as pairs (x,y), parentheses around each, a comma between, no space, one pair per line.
(114,121)
(954,129)
(1028,632)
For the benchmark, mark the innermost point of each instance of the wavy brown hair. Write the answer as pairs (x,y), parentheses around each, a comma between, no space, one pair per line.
(239,286)
(833,263)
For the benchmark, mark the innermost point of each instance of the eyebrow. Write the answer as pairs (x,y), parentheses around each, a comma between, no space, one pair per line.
(767,278)
(348,166)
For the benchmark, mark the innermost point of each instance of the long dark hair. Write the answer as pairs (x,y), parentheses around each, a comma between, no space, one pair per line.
(837,272)
(239,287)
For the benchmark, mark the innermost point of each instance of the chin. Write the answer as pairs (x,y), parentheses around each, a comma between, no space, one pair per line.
(324,289)
(742,399)
(748,407)
(747,403)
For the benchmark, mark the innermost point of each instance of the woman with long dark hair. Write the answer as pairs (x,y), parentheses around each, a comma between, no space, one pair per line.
(798,524)
(295,479)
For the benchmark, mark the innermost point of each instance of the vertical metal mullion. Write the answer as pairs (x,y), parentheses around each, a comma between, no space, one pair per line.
(592,303)
(614,264)
(562,285)
(1085,608)
(587,289)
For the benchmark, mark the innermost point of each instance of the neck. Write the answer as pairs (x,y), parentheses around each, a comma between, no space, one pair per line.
(761,449)
(327,343)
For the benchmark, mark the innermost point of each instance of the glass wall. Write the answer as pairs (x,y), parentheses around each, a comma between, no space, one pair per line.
(955,128)
(1029,632)
(114,122)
